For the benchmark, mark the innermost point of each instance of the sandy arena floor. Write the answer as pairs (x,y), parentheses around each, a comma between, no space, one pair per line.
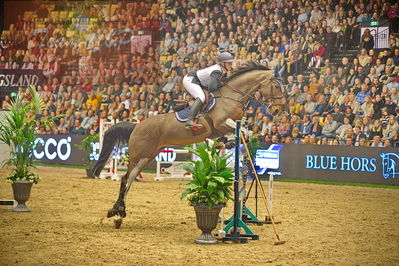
(323,225)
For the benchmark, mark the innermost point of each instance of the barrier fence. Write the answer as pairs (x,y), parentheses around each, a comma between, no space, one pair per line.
(297,161)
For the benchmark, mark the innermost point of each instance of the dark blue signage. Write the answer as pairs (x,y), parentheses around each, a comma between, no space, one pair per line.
(340,164)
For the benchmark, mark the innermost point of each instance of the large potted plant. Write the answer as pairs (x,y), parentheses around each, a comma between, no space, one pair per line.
(17,131)
(209,189)
(86,145)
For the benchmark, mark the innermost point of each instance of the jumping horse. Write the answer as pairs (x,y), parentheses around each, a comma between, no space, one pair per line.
(145,140)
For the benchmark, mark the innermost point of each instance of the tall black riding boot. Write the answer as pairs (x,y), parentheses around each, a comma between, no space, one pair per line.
(195,108)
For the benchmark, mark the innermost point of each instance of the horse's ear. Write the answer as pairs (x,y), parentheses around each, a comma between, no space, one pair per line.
(276,74)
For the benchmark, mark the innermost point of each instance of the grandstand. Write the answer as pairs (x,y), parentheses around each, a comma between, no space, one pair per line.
(124,61)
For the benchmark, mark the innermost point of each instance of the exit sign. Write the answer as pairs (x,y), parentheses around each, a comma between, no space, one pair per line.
(374,23)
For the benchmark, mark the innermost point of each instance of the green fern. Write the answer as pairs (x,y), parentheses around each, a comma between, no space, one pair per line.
(212,178)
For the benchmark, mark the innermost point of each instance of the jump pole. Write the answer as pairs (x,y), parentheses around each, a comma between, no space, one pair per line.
(236,221)
(279,241)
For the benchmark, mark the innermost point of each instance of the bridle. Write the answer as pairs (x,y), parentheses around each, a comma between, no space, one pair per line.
(269,100)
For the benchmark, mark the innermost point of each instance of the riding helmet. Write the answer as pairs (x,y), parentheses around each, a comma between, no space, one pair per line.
(225,57)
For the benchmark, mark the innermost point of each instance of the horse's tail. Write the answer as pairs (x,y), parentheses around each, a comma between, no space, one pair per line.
(116,135)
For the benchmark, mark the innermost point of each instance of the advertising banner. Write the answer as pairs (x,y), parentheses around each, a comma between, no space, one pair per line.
(20,78)
(12,79)
(340,164)
(294,161)
(59,149)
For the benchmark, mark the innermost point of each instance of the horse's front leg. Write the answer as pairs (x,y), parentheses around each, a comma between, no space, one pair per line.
(232,124)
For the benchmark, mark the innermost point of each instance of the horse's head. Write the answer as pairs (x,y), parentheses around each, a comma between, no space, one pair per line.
(274,95)
(251,78)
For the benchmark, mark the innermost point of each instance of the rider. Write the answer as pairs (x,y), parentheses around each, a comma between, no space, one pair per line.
(209,79)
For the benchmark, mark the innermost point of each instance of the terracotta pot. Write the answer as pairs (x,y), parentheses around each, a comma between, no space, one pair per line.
(207,219)
(21,190)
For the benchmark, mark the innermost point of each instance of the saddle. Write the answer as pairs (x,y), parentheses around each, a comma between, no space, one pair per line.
(182,108)
(179,105)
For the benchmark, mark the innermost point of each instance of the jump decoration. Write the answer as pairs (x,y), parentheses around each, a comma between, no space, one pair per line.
(86,146)
(210,187)
(17,131)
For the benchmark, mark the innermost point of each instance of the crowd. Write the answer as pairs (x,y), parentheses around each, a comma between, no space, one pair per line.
(353,102)
(91,69)
(349,103)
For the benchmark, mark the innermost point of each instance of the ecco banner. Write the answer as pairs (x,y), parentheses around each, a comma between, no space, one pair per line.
(340,164)
(59,149)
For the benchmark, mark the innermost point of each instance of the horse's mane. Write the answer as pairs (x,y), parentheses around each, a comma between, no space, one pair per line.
(248,66)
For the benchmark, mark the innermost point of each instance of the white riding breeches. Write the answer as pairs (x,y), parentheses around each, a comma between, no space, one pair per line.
(194,89)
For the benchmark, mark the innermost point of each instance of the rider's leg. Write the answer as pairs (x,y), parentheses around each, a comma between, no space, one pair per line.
(195,108)
(199,96)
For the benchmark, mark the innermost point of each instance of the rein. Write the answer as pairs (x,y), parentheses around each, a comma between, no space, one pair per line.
(250,96)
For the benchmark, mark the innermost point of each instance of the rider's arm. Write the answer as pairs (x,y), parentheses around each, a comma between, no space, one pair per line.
(216,77)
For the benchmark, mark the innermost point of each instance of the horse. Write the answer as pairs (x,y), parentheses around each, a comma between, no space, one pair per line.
(148,138)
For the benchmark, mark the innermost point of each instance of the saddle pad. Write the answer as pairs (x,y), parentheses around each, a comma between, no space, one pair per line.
(182,116)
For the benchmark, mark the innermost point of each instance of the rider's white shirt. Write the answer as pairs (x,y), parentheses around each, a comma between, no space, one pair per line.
(204,75)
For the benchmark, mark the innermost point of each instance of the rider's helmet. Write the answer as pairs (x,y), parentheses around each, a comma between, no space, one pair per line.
(225,57)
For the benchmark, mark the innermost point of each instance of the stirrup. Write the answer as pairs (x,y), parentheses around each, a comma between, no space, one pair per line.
(195,126)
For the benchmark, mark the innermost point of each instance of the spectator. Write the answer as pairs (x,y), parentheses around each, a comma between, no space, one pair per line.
(329,127)
(367,40)
(376,142)
(92,101)
(394,139)
(376,130)
(77,129)
(88,121)
(315,127)
(362,94)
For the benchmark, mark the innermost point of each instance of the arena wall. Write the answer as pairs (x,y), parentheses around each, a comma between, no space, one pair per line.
(297,161)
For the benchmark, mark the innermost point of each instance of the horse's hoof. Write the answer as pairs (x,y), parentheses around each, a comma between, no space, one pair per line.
(117,209)
(111,213)
(118,223)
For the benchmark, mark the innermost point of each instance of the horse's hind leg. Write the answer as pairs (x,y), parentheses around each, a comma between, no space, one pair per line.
(119,206)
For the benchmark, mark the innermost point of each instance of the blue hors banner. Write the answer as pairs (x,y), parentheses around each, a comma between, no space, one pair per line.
(340,164)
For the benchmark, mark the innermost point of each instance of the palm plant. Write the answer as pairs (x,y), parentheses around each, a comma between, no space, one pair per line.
(212,179)
(17,131)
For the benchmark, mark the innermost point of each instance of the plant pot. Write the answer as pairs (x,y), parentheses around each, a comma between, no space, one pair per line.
(207,219)
(21,191)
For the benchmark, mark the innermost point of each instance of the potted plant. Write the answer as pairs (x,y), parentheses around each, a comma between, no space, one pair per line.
(253,145)
(86,146)
(17,131)
(209,189)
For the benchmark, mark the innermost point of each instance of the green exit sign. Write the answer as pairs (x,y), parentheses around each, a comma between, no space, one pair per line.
(374,23)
